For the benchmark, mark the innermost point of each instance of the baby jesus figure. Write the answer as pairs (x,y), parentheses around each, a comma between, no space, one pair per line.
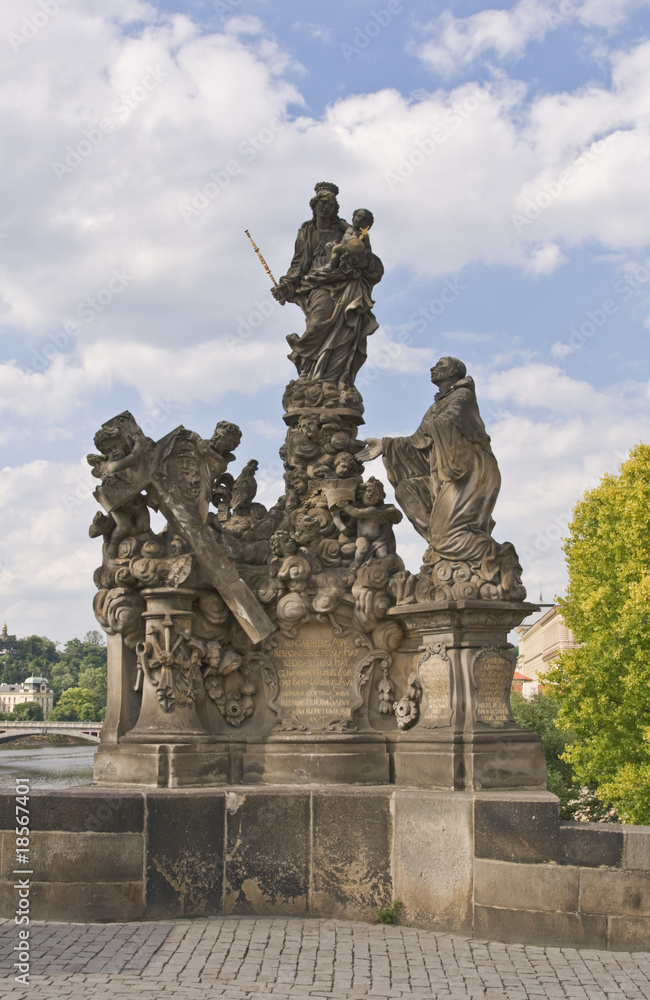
(354,247)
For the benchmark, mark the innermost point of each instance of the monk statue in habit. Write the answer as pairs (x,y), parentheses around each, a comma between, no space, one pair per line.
(447,480)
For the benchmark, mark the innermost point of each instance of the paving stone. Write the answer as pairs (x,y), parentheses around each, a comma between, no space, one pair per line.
(293,959)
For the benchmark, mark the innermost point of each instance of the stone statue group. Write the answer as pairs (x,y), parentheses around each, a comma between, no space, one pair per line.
(445,476)
(204,603)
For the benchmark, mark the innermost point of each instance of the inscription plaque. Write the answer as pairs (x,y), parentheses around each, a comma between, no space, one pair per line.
(434,677)
(492,678)
(318,682)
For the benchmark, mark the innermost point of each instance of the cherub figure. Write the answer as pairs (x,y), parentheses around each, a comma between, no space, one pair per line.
(225,438)
(122,447)
(131,519)
(123,452)
(302,443)
(346,465)
(374,520)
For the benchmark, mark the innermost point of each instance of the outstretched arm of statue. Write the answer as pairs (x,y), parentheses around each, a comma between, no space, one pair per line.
(373,448)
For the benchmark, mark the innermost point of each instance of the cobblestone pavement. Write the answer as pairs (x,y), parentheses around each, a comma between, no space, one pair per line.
(289,959)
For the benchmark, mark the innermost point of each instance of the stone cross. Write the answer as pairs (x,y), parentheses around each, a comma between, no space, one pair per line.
(178,476)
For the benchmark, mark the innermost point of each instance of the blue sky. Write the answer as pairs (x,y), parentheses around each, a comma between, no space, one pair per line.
(504,152)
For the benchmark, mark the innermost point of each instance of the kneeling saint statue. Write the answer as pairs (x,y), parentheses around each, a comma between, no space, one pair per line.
(447,480)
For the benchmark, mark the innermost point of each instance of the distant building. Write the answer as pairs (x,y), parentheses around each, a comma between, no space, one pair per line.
(542,636)
(33,689)
(8,643)
(521,683)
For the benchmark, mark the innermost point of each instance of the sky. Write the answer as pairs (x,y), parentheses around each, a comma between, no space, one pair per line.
(504,152)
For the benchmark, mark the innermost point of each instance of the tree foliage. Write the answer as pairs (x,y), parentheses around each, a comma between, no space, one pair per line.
(76,705)
(603,688)
(539,713)
(34,655)
(27,710)
(80,665)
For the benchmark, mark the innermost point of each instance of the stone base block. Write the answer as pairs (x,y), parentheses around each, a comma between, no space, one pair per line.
(78,902)
(544,929)
(490,864)
(355,760)
(163,765)
(474,762)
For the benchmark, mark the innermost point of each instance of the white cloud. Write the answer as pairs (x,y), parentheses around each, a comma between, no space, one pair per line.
(266,429)
(215,147)
(456,41)
(504,34)
(315,30)
(554,437)
(142,244)
(46,557)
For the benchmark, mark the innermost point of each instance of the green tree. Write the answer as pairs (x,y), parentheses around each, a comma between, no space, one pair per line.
(61,678)
(539,713)
(76,705)
(603,688)
(28,710)
(34,655)
(81,653)
(79,662)
(94,679)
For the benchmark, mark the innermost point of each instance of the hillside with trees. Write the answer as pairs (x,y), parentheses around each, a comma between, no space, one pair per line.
(76,674)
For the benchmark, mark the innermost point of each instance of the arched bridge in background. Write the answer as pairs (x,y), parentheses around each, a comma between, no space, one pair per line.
(84,730)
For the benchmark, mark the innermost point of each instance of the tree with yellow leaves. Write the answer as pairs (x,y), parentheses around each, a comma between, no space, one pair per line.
(604,686)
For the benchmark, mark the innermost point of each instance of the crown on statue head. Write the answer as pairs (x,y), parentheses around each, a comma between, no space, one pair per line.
(326,186)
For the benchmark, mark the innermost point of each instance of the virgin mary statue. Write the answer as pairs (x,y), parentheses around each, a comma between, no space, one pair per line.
(331,278)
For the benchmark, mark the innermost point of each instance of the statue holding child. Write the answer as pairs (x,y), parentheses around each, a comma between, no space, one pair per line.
(331,278)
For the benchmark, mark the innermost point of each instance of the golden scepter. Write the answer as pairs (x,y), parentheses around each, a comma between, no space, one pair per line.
(259,254)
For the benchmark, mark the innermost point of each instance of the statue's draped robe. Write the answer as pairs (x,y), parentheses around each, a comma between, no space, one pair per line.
(337,307)
(446,480)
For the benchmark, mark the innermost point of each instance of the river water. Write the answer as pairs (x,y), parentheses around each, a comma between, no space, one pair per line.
(47,767)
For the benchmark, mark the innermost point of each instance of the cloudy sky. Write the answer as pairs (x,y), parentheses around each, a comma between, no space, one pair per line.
(505,153)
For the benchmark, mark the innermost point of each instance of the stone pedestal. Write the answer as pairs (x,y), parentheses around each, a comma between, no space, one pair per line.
(168,675)
(457,730)
(318,683)
(168,765)
(308,759)
(168,747)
